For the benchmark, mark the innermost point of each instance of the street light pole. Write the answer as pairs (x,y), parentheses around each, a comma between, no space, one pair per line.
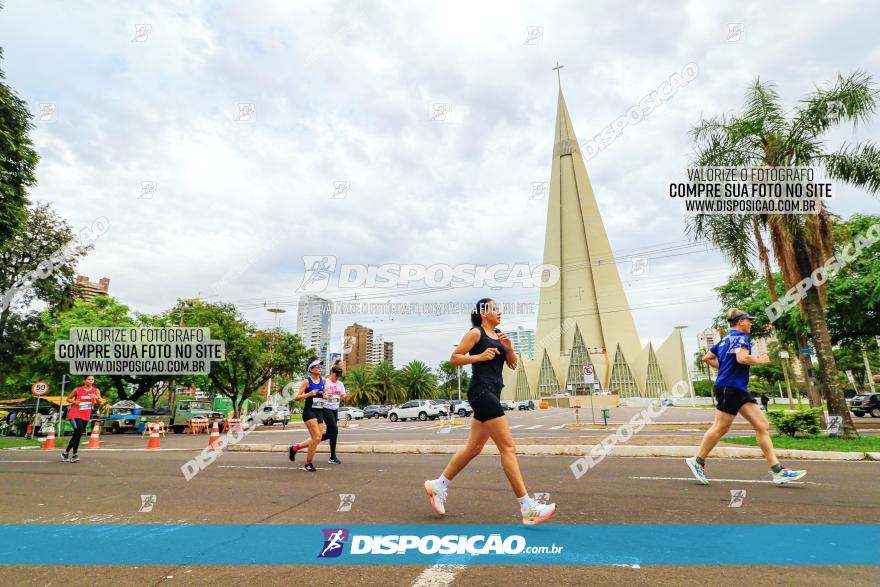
(275,311)
(687,373)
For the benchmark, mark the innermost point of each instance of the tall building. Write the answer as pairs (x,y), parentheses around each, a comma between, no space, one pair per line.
(377,350)
(357,346)
(523,341)
(584,318)
(86,290)
(389,352)
(313,324)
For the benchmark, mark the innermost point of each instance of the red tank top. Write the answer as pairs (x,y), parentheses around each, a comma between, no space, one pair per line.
(82,404)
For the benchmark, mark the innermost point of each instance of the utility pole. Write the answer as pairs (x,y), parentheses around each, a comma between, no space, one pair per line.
(868,371)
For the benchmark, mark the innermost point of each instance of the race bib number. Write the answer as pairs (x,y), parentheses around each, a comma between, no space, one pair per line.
(85,405)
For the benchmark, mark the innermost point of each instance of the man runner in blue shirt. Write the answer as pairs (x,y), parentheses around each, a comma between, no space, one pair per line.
(731,356)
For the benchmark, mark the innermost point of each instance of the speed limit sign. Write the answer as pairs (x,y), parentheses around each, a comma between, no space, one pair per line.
(40,388)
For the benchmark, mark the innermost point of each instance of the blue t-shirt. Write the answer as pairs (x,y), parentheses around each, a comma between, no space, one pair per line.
(731,373)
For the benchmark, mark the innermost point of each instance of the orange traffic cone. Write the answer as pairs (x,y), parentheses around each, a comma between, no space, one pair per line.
(154,438)
(50,440)
(95,438)
(214,440)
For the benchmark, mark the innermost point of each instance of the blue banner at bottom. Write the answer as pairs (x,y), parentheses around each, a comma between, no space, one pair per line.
(359,544)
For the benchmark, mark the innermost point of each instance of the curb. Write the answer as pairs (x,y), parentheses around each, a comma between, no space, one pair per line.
(575,451)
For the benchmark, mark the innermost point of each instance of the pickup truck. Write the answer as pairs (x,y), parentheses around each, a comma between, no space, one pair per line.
(185,409)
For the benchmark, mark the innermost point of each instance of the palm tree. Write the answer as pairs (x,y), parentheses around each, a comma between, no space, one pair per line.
(359,386)
(386,381)
(763,134)
(418,380)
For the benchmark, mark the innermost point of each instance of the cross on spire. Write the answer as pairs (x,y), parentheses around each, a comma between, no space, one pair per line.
(558,77)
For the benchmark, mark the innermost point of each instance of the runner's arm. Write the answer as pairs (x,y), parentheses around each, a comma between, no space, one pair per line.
(301,394)
(710,359)
(460,355)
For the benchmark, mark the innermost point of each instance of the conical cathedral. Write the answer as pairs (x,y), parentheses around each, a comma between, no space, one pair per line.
(585,317)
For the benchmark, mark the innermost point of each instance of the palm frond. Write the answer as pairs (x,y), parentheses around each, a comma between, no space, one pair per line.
(858,165)
(851,99)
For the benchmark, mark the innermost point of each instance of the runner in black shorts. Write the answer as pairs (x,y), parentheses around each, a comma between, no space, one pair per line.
(312,391)
(487,349)
(732,357)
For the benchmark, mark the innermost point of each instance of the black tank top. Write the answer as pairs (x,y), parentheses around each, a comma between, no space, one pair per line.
(313,402)
(487,374)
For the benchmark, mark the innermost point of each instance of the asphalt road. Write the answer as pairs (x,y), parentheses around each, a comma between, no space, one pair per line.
(265,488)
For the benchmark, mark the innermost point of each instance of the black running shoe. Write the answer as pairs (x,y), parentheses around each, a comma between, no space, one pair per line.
(74,459)
(291,453)
(65,457)
(334,461)
(310,468)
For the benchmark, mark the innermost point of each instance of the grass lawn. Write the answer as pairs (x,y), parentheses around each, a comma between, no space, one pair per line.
(779,406)
(16,441)
(865,443)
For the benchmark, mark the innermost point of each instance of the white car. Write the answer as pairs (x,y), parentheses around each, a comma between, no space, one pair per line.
(271,414)
(420,409)
(561,394)
(350,413)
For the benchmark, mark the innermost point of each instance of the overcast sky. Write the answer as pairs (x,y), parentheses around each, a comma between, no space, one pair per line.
(348,92)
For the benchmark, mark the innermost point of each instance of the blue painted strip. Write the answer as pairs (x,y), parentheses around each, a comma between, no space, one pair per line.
(208,544)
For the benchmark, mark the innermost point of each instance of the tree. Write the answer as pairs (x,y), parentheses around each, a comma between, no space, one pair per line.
(448,379)
(18,160)
(23,280)
(850,357)
(386,382)
(418,381)
(358,384)
(252,357)
(763,134)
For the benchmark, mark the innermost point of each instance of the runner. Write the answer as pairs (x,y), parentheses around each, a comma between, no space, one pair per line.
(81,401)
(732,359)
(311,390)
(333,392)
(487,353)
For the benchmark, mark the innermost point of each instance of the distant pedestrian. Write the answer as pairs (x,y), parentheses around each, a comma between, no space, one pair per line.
(81,401)
(765,401)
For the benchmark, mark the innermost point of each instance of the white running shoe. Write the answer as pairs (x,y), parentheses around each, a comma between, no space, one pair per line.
(437,495)
(538,513)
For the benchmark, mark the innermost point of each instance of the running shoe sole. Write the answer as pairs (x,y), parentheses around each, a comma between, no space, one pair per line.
(693,467)
(538,520)
(784,481)
(291,454)
(430,493)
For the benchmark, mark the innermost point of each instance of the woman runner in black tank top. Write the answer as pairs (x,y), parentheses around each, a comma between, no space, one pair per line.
(487,349)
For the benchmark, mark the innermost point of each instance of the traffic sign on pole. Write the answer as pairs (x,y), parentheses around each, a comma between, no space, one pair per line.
(40,388)
(589,374)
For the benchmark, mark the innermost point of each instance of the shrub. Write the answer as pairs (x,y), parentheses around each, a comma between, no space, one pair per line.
(803,421)
(703,388)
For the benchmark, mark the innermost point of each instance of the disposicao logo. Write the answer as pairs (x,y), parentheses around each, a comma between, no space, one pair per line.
(334,540)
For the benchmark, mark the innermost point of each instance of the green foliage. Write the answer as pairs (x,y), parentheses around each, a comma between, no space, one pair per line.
(418,381)
(703,388)
(805,422)
(18,161)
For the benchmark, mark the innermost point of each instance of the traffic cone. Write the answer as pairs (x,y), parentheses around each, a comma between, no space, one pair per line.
(154,438)
(50,440)
(95,438)
(214,440)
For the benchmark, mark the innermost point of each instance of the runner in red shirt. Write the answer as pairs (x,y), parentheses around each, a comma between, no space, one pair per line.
(81,401)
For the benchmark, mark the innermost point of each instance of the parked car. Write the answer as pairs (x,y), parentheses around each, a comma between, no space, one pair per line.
(376,411)
(350,413)
(561,394)
(525,405)
(508,405)
(420,409)
(443,404)
(866,403)
(271,414)
(461,407)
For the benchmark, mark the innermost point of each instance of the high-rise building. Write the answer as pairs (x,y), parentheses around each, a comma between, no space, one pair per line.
(357,346)
(86,290)
(377,350)
(313,324)
(584,317)
(389,352)
(523,341)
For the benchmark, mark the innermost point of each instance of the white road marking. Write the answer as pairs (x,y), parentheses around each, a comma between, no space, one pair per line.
(517,426)
(556,427)
(265,467)
(438,576)
(535,426)
(725,480)
(29,461)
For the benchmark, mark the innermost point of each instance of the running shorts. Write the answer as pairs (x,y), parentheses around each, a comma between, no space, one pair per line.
(311,414)
(730,399)
(486,404)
